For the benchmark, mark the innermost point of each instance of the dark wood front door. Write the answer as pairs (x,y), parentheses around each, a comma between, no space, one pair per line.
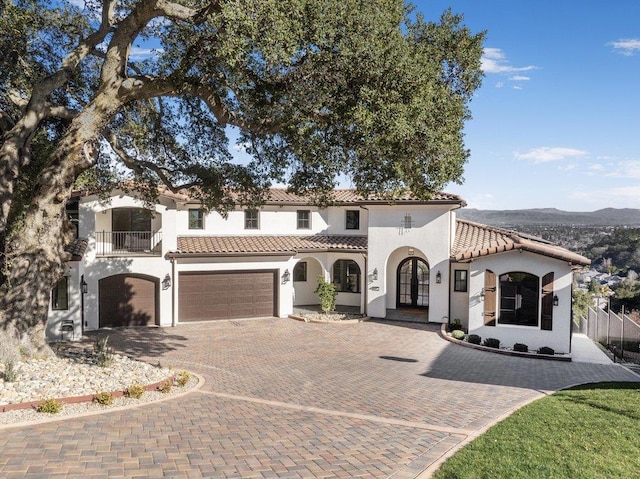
(413,284)
(128,300)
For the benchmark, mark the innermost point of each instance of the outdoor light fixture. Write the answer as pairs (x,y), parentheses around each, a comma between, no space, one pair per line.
(166,282)
(84,287)
(482,294)
(410,251)
(374,275)
(555,300)
(438,277)
(286,276)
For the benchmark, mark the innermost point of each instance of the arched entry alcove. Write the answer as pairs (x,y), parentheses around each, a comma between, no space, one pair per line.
(412,283)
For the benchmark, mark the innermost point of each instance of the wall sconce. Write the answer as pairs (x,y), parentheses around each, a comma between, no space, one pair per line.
(166,282)
(84,287)
(410,252)
(286,276)
(482,294)
(555,300)
(438,277)
(374,275)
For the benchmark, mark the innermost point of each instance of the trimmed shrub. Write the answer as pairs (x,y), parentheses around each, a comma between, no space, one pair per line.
(457,334)
(134,391)
(49,406)
(327,294)
(183,378)
(474,339)
(456,325)
(103,398)
(491,343)
(521,348)
(546,350)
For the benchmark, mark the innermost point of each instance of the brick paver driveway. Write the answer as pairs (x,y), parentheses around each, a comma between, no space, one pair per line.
(289,399)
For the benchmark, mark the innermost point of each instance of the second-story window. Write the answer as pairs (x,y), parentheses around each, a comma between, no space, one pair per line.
(251,219)
(353,219)
(304,219)
(196,219)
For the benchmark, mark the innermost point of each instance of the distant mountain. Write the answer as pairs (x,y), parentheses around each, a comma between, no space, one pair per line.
(553,217)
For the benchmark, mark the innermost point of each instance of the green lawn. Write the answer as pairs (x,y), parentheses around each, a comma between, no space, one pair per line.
(590,431)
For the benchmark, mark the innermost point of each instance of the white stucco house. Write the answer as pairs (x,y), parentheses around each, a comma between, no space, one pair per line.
(175,264)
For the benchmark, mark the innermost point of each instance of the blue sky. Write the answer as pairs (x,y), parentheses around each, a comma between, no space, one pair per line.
(556,122)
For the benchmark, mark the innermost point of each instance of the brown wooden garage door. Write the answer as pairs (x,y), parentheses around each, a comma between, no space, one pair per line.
(227,295)
(128,300)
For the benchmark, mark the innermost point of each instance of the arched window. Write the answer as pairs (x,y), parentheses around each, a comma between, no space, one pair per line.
(346,276)
(519,299)
(300,271)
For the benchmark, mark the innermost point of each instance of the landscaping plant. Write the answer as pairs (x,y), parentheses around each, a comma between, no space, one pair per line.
(327,294)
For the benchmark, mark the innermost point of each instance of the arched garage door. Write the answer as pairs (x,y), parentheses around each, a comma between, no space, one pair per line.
(128,300)
(227,295)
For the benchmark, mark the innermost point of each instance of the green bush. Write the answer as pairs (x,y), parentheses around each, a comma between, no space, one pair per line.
(104,354)
(521,348)
(103,398)
(546,350)
(183,378)
(134,391)
(10,373)
(456,325)
(492,343)
(474,339)
(327,294)
(457,334)
(49,406)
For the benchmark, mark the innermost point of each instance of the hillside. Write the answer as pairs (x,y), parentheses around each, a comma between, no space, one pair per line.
(552,217)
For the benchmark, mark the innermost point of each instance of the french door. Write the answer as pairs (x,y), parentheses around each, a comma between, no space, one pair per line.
(413,283)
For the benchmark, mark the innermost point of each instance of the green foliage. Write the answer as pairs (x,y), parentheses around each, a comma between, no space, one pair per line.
(49,406)
(627,294)
(10,373)
(589,431)
(183,378)
(457,334)
(546,350)
(581,301)
(492,343)
(135,391)
(618,251)
(474,339)
(521,348)
(103,398)
(327,294)
(456,324)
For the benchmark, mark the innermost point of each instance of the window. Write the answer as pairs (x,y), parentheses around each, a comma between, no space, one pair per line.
(196,219)
(353,219)
(73,215)
(460,281)
(346,276)
(519,298)
(304,219)
(300,271)
(251,219)
(60,295)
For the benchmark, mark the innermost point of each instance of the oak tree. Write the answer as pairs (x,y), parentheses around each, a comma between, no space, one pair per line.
(145,92)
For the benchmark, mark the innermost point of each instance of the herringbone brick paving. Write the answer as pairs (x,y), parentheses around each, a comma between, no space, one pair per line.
(289,399)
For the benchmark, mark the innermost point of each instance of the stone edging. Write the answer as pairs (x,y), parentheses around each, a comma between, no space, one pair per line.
(319,321)
(505,352)
(79,399)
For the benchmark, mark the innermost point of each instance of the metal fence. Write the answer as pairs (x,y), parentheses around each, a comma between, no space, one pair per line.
(128,242)
(618,333)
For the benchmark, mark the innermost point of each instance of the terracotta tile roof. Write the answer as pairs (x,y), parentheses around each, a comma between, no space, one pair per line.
(266,245)
(341,196)
(77,249)
(474,240)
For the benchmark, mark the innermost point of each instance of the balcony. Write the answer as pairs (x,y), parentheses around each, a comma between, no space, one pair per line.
(129,243)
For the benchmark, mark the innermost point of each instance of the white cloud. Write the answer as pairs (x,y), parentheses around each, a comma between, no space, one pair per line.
(499,84)
(569,167)
(519,78)
(626,46)
(616,197)
(495,61)
(545,154)
(517,87)
(626,169)
(138,53)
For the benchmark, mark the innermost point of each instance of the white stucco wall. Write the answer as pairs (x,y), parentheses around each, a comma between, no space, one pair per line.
(74,272)
(390,243)
(459,307)
(559,337)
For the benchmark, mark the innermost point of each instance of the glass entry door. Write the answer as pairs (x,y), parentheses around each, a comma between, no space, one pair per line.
(413,283)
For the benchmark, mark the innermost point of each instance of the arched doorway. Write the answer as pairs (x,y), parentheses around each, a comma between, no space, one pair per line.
(413,283)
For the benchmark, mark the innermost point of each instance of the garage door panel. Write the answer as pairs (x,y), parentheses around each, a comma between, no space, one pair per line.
(226,295)
(126,300)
